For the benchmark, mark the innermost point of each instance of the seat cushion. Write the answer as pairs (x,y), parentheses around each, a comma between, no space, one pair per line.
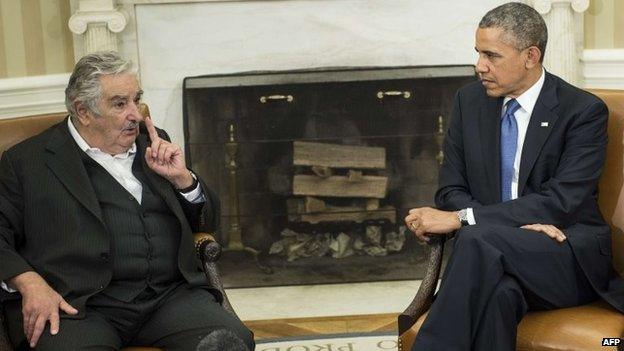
(571,329)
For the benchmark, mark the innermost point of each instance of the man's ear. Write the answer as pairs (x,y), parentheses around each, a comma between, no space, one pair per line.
(533,56)
(83,114)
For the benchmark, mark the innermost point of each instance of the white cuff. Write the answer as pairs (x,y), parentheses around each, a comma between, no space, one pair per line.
(471,217)
(196,195)
(6,287)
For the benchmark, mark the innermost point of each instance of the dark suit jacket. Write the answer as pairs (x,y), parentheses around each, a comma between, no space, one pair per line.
(51,221)
(560,166)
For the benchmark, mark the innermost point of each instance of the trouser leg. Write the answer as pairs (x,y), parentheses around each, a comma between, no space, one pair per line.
(185,317)
(482,255)
(174,319)
(497,327)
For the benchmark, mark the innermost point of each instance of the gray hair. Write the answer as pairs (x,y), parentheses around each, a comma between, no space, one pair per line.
(84,83)
(523,26)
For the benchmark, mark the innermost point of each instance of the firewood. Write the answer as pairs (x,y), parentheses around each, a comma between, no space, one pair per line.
(322,171)
(340,186)
(341,214)
(354,176)
(372,204)
(338,156)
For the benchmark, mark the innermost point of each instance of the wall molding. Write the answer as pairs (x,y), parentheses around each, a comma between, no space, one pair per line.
(603,68)
(27,96)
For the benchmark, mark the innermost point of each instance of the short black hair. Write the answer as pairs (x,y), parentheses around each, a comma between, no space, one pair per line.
(523,26)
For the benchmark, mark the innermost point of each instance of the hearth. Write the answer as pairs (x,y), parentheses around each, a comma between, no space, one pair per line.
(316,169)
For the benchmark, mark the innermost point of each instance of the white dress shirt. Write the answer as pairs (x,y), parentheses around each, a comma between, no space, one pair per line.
(523,115)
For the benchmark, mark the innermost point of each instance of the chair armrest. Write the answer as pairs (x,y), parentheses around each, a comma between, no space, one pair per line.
(424,297)
(208,251)
(207,247)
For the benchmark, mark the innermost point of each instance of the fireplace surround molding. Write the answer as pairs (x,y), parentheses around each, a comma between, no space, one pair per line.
(172,39)
(161,37)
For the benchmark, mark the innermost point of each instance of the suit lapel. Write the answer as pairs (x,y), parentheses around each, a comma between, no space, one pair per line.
(64,160)
(489,130)
(536,134)
(157,183)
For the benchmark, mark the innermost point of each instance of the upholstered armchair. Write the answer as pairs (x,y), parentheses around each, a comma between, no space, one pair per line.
(573,329)
(208,250)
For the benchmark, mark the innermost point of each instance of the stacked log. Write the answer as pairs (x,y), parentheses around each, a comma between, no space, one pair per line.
(332,171)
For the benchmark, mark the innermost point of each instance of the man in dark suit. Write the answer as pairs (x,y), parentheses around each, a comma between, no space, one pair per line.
(523,155)
(96,222)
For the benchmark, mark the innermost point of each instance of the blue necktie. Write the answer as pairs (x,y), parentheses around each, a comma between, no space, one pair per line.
(508,144)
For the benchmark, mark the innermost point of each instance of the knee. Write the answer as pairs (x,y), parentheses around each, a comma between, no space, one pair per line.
(226,339)
(243,334)
(248,339)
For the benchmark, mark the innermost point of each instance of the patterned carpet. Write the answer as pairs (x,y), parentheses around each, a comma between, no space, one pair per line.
(345,342)
(319,326)
(345,333)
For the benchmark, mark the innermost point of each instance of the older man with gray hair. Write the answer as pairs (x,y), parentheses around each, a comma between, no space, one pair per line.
(523,155)
(96,222)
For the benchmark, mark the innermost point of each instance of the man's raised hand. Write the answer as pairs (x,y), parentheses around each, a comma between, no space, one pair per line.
(166,159)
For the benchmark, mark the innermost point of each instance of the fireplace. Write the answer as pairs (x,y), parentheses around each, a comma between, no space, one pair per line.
(317,168)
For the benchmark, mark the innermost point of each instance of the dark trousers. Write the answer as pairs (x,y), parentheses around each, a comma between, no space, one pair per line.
(174,320)
(494,276)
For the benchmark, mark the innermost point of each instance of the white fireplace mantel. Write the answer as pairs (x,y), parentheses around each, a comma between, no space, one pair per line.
(173,39)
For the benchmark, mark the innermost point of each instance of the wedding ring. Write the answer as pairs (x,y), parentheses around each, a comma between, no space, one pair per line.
(413,225)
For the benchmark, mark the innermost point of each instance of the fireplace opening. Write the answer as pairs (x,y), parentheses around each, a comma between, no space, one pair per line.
(316,169)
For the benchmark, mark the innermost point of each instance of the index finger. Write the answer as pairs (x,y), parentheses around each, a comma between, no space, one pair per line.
(151,129)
